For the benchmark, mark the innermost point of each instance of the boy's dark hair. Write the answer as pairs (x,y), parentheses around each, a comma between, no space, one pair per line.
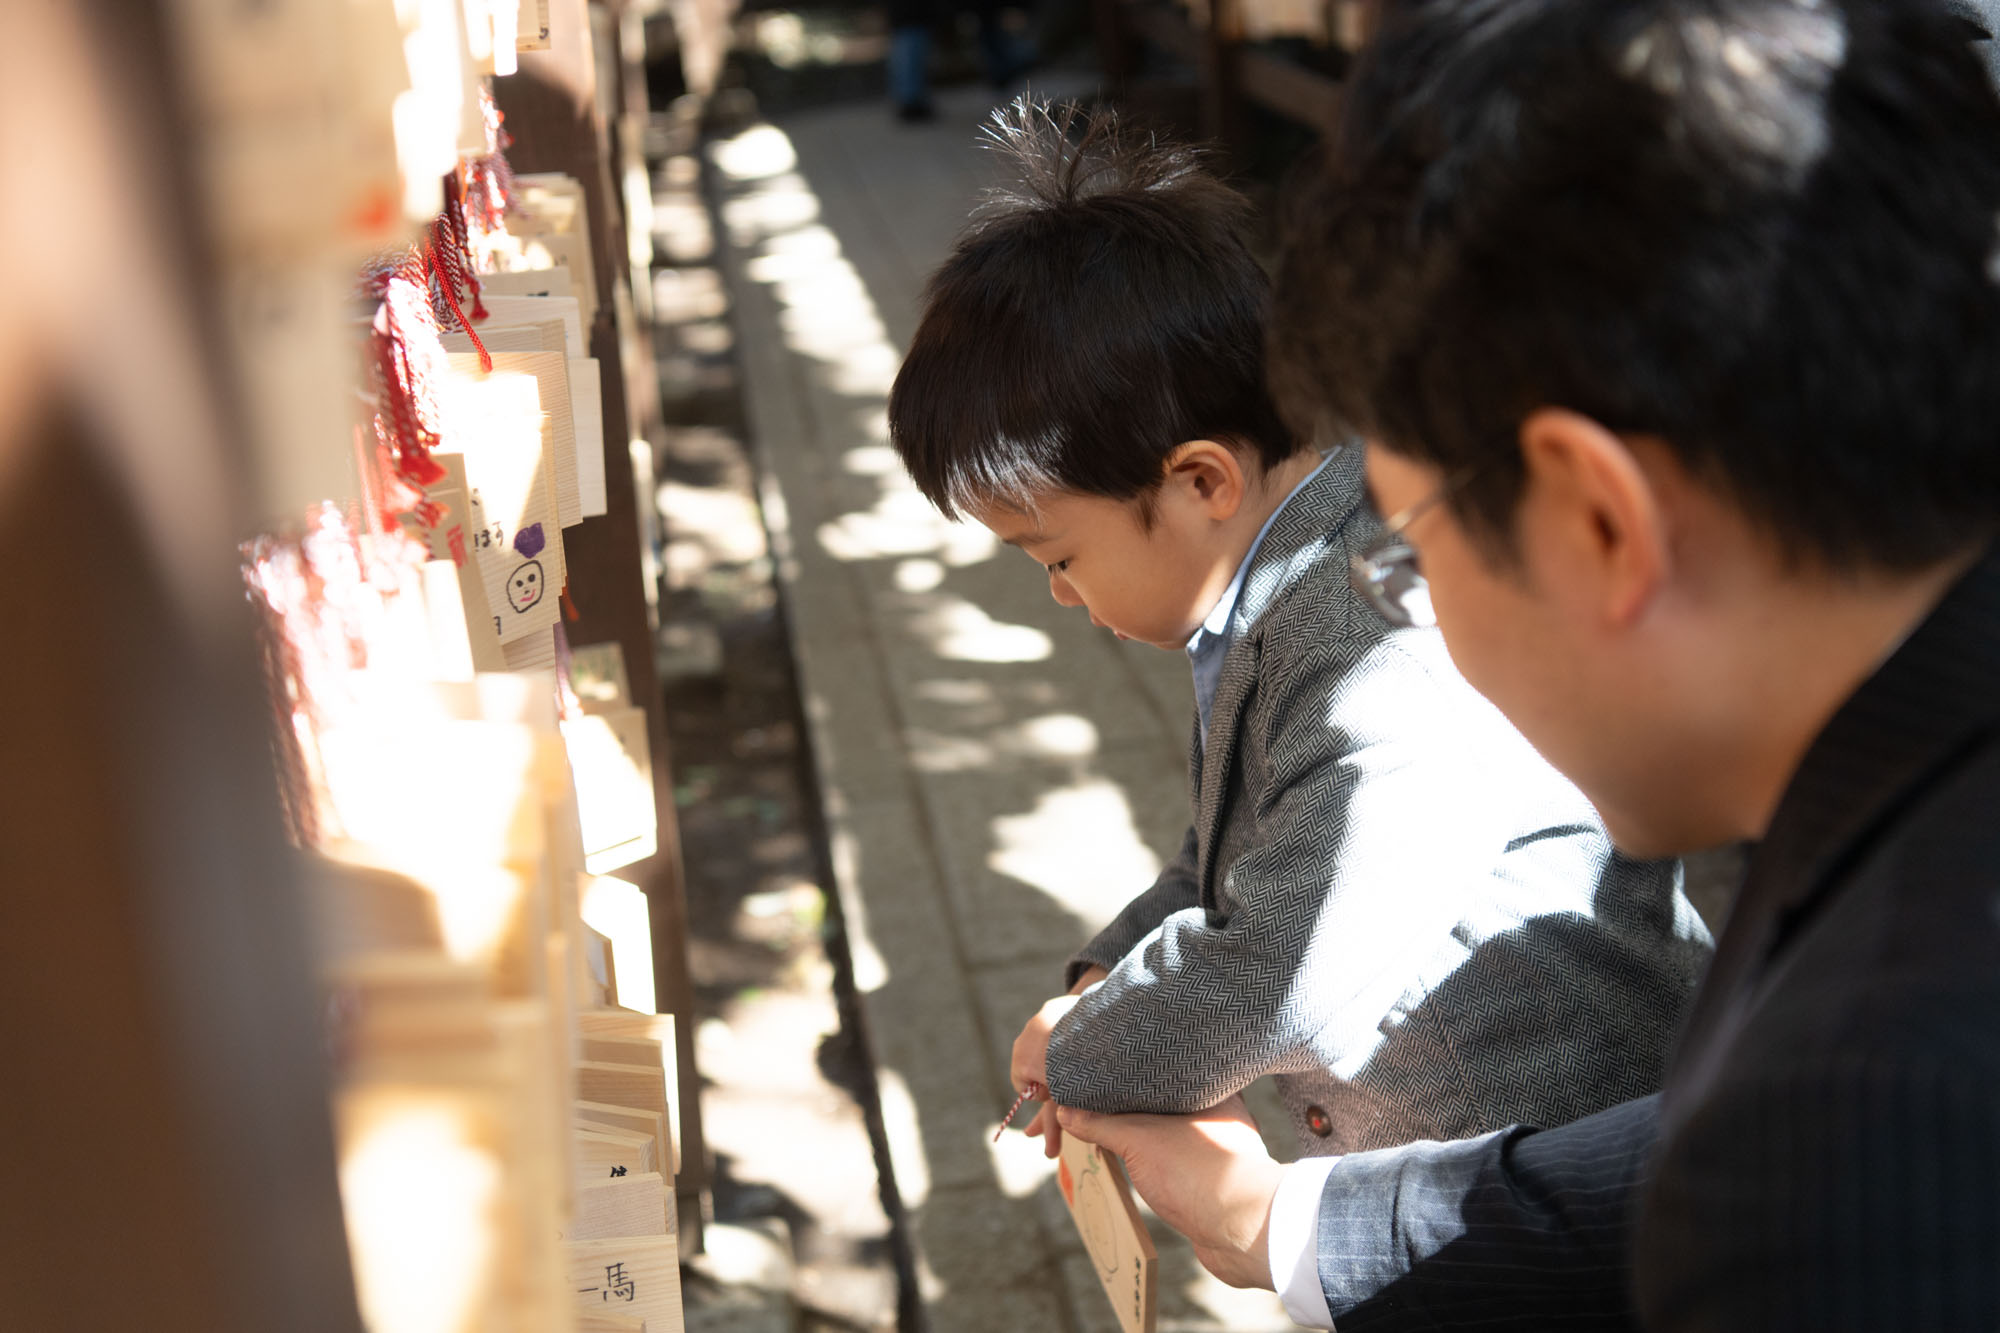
(1096,313)
(1760,230)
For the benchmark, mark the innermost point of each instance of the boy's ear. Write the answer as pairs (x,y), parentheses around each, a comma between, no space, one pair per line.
(1210,475)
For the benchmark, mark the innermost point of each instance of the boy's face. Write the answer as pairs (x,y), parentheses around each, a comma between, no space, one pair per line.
(1153,584)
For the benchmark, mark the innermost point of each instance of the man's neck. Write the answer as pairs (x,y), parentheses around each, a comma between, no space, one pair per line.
(1810,648)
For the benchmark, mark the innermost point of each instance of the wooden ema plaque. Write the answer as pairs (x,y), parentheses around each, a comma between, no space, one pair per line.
(1099,1198)
(605,1154)
(592,1322)
(629,1277)
(630,1205)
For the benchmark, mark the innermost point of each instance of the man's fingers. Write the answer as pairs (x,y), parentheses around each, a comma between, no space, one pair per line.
(1106,1131)
(1076,1122)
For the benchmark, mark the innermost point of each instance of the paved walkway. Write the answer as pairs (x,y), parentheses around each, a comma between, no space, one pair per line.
(999,777)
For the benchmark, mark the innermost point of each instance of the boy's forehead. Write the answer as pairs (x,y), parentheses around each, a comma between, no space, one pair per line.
(1051,516)
(1015,527)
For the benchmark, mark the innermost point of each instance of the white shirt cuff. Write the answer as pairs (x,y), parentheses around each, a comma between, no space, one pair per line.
(1294,1252)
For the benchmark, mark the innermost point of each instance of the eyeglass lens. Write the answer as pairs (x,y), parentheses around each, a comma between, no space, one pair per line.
(1390,579)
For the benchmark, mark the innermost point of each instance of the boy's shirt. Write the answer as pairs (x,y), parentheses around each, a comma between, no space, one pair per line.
(1210,644)
(1386,898)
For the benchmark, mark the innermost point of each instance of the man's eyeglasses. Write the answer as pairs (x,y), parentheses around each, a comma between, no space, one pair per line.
(1386,572)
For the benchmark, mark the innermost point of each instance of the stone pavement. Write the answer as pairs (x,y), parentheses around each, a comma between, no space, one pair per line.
(999,777)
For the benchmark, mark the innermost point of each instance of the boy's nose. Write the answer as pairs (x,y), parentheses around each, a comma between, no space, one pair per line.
(1060,590)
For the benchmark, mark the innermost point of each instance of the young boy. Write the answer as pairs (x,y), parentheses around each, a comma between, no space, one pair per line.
(1088,382)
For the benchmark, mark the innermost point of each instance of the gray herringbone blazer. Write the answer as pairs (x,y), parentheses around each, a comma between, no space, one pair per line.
(1387,897)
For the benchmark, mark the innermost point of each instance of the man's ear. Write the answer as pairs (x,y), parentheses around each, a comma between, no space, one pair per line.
(1208,473)
(1593,509)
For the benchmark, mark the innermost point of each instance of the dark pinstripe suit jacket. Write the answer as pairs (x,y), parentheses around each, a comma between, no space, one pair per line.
(1826,1153)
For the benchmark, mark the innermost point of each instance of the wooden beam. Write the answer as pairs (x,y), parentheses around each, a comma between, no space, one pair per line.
(165,1138)
(1290,89)
(1232,72)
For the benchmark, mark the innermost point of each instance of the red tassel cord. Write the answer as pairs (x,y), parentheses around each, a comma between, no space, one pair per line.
(407,363)
(459,240)
(444,262)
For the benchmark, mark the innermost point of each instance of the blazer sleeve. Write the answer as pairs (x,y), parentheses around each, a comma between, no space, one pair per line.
(1520,1230)
(1360,840)
(1174,891)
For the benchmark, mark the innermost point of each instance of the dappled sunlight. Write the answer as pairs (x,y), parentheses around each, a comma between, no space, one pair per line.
(871,971)
(826,314)
(1053,736)
(1057,738)
(1018,1163)
(796,253)
(756,154)
(874,460)
(934,752)
(903,523)
(958,693)
(963,631)
(1079,845)
(785,204)
(707,526)
(689,294)
(903,1128)
(918,575)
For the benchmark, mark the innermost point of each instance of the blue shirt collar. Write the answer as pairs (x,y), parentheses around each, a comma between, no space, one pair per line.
(1216,623)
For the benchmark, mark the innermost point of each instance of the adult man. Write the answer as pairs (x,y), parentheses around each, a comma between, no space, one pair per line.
(1675,328)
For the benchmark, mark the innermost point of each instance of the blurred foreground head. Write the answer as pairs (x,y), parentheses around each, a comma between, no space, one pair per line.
(1678,321)
(1760,231)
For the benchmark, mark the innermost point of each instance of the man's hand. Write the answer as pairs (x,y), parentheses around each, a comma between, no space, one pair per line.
(1036,1051)
(1207,1175)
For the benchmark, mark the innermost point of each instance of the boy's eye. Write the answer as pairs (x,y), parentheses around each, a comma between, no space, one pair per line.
(1058,567)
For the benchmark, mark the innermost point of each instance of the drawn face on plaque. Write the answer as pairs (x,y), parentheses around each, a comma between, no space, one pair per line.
(1089,1196)
(524,586)
(527,583)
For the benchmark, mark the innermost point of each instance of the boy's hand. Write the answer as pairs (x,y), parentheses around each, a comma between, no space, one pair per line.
(1032,1047)
(1030,1063)
(1207,1175)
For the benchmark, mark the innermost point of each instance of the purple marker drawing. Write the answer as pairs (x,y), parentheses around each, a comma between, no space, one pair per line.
(529,541)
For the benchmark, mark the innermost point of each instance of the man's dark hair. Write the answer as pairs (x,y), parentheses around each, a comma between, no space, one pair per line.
(1763,231)
(1098,311)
